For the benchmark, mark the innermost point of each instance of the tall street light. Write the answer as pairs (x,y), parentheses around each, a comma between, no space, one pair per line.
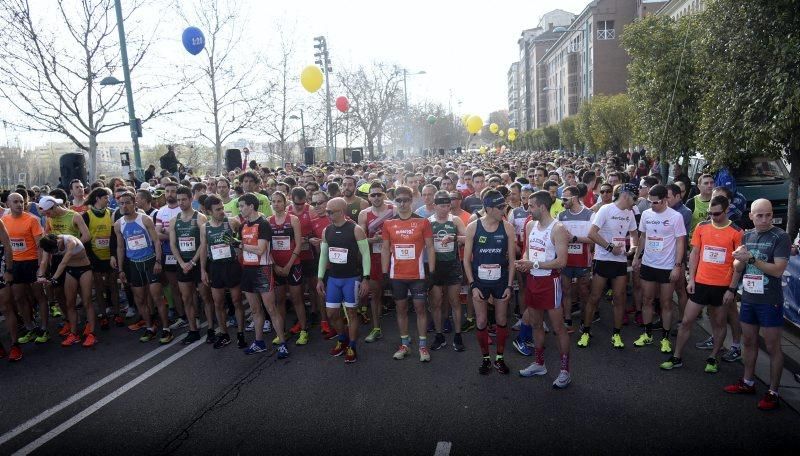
(302,130)
(405,94)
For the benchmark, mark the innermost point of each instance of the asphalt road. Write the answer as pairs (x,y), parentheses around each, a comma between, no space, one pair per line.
(196,400)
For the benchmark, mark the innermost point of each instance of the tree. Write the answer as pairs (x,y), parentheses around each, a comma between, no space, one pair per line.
(583,123)
(50,69)
(663,82)
(230,93)
(375,95)
(498,117)
(611,120)
(568,132)
(551,137)
(751,60)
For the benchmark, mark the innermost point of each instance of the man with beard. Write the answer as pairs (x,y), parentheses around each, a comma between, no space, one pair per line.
(355,204)
(162,218)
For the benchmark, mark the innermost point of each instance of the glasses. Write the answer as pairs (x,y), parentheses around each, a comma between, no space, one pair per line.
(565,200)
(402,200)
(375,195)
(330,212)
(715,214)
(643,186)
(656,202)
(318,203)
(605,191)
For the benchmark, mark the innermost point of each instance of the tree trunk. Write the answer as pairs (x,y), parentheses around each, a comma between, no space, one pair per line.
(92,157)
(371,147)
(791,216)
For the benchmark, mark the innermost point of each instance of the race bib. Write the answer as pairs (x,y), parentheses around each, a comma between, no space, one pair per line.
(377,247)
(620,241)
(249,257)
(186,244)
(715,255)
(655,244)
(170,259)
(220,251)
(337,255)
(18,245)
(305,245)
(575,249)
(753,283)
(102,243)
(281,243)
(443,248)
(536,253)
(136,242)
(489,272)
(405,251)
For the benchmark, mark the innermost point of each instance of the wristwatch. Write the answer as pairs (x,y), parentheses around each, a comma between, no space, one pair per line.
(574,239)
(752,260)
(610,247)
(732,290)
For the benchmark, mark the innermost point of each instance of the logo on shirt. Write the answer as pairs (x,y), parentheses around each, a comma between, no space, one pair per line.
(481,239)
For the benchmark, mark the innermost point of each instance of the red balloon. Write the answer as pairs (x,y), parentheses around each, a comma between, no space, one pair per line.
(342,104)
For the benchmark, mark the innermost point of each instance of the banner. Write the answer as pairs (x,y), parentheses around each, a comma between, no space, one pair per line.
(791,291)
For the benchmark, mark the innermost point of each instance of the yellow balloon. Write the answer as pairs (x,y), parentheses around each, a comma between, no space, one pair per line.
(464,119)
(501,133)
(494,127)
(474,124)
(482,150)
(512,136)
(311,78)
(512,131)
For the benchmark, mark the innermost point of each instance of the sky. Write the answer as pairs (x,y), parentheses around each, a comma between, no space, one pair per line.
(465,48)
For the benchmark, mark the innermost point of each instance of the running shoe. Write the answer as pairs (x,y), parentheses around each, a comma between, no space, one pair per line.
(563,380)
(769,401)
(119,322)
(424,355)
(711,366)
(666,346)
(448,326)
(401,352)
(517,325)
(522,347)
(15,354)
(211,337)
(486,366)
(707,344)
(533,369)
(104,324)
(338,349)
(458,344)
(350,355)
(324,327)
(179,323)
(732,355)
(166,337)
(468,325)
(616,341)
(302,339)
(257,346)
(65,330)
(148,335)
(583,342)
(29,336)
(276,340)
(191,337)
(89,340)
(231,321)
(501,367)
(131,312)
(740,387)
(240,342)
(294,330)
(42,336)
(671,363)
(137,326)
(374,335)
(329,334)
(55,311)
(222,340)
(267,326)
(250,326)
(439,342)
(72,339)
(283,352)
(643,340)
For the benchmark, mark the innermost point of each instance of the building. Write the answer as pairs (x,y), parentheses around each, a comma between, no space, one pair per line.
(513,95)
(679,8)
(648,7)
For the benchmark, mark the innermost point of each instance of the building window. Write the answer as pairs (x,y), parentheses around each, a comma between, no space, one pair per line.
(605,30)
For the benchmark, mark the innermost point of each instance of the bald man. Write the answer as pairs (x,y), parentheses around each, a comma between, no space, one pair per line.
(762,258)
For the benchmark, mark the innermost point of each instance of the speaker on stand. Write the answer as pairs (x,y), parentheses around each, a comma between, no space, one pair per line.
(356,155)
(233,159)
(72,166)
(308,155)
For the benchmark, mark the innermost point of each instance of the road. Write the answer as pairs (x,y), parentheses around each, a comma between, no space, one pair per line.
(133,398)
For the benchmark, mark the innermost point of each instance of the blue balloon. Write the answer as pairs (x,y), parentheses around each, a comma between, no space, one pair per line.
(193,40)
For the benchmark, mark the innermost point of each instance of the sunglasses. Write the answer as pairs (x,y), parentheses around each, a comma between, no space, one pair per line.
(375,195)
(565,200)
(315,204)
(402,200)
(605,191)
(715,214)
(656,202)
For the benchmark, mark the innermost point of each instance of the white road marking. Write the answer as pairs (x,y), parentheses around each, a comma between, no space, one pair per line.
(442,449)
(83,393)
(27,449)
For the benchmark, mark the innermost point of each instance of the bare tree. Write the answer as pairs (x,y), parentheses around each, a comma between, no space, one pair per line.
(230,93)
(375,94)
(50,69)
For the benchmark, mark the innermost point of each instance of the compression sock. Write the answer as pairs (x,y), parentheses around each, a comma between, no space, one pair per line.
(525,332)
(483,340)
(405,340)
(502,335)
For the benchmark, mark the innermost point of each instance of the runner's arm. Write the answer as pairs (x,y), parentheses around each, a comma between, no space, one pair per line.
(82,228)
(298,238)
(68,246)
(120,246)
(151,228)
(594,235)
(201,222)
(203,247)
(323,257)
(7,252)
(512,252)
(385,256)
(468,252)
(460,230)
(694,260)
(363,247)
(680,250)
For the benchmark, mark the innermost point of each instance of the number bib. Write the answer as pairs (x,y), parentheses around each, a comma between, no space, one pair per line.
(489,272)
(620,241)
(655,244)
(536,253)
(280,243)
(575,249)
(337,255)
(102,243)
(443,248)
(18,245)
(753,283)
(405,251)
(250,257)
(186,244)
(377,247)
(220,252)
(136,242)
(714,255)
(170,259)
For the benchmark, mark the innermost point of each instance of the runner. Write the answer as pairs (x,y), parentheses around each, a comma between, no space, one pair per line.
(660,263)
(699,203)
(220,269)
(138,251)
(6,306)
(448,231)
(79,203)
(75,265)
(712,280)
(257,282)
(319,222)
(162,218)
(405,236)
(308,263)
(489,247)
(613,227)
(371,220)
(546,242)
(347,276)
(762,257)
(355,204)
(224,193)
(98,219)
(578,220)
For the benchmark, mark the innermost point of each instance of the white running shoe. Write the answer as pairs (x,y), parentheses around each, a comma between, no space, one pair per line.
(131,312)
(267,326)
(533,369)
(179,323)
(250,326)
(563,380)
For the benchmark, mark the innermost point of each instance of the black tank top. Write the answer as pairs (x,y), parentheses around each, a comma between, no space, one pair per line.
(343,255)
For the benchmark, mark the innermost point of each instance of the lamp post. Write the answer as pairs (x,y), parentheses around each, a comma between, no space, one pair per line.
(302,130)
(323,59)
(405,95)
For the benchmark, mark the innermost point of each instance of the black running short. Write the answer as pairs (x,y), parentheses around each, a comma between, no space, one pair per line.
(225,274)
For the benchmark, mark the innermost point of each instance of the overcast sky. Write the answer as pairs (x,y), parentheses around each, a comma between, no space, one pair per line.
(465,47)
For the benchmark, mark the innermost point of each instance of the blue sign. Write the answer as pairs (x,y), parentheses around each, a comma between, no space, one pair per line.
(791,290)
(193,40)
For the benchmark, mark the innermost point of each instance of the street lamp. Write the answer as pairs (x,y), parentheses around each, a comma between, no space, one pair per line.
(302,130)
(405,93)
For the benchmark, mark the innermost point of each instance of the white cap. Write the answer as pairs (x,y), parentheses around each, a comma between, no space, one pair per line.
(47,202)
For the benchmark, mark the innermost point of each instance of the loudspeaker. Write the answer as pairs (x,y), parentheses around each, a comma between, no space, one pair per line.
(73,166)
(399,155)
(356,155)
(309,155)
(233,159)
(441,152)
(458,150)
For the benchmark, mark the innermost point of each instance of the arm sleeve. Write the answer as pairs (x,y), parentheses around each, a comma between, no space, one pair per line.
(323,260)
(363,247)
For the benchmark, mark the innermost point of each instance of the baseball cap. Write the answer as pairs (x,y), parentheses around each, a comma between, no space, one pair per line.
(630,188)
(47,202)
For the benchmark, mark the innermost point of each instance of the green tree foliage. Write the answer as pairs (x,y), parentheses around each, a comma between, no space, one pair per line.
(607,122)
(568,132)
(551,136)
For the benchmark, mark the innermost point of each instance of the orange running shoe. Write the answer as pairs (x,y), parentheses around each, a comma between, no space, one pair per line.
(87,330)
(15,354)
(89,340)
(119,321)
(72,339)
(66,329)
(137,326)
(294,330)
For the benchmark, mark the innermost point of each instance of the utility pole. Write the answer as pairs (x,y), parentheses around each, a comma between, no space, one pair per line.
(324,61)
(135,124)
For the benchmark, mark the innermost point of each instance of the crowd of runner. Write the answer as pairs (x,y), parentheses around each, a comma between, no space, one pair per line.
(465,241)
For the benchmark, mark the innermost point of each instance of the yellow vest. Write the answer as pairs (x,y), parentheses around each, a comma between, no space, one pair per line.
(100,231)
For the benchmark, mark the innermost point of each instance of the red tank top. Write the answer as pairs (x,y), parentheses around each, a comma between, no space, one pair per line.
(371,217)
(306,229)
(282,240)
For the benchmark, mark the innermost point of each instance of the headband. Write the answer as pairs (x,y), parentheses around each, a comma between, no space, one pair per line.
(444,200)
(493,202)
